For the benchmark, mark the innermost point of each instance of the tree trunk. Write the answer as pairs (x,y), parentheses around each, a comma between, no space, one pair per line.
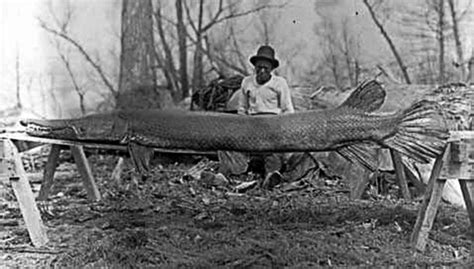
(441,74)
(198,74)
(335,70)
(470,68)
(169,69)
(346,48)
(137,81)
(17,71)
(357,72)
(183,56)
(457,41)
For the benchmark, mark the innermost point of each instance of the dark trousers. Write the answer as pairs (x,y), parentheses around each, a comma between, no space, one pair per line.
(267,163)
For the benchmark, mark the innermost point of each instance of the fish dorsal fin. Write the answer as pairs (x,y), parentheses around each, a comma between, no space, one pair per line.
(368,96)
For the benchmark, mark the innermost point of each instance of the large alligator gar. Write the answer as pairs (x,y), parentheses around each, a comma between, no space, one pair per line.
(418,132)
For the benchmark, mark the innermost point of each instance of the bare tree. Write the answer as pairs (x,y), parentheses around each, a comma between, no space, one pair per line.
(340,50)
(388,38)
(242,60)
(350,49)
(266,24)
(456,17)
(94,64)
(431,33)
(17,74)
(470,76)
(64,25)
(223,12)
(439,8)
(225,48)
(183,53)
(227,55)
(166,61)
(198,78)
(202,17)
(60,30)
(78,89)
(137,80)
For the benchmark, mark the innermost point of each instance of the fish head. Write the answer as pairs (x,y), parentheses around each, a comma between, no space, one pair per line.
(92,128)
(52,128)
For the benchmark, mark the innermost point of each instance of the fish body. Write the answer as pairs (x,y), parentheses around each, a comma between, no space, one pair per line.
(418,132)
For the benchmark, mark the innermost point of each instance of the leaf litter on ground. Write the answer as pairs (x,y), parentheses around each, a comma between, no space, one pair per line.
(172,219)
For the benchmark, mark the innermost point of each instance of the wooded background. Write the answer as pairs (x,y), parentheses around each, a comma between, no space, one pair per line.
(69,58)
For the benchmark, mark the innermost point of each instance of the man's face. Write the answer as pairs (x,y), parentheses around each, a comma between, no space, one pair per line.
(263,69)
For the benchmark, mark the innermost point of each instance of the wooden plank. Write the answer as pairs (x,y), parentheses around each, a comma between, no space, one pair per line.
(400,173)
(467,189)
(429,206)
(100,145)
(49,170)
(459,161)
(86,173)
(458,135)
(24,194)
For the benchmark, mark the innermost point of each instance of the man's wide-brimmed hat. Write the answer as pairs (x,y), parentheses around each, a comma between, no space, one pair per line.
(266,53)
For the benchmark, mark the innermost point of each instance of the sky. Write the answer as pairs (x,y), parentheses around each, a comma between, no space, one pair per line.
(46,88)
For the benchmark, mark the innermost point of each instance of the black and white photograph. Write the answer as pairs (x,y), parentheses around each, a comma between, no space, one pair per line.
(236,133)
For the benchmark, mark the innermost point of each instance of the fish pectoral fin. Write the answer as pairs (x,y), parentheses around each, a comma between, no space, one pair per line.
(368,96)
(362,154)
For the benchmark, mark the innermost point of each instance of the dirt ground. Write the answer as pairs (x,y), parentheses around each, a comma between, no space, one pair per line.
(172,220)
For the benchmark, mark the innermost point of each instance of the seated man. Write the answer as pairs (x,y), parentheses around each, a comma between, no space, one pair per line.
(266,93)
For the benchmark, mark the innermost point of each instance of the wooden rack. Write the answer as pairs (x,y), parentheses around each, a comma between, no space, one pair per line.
(13,173)
(457,163)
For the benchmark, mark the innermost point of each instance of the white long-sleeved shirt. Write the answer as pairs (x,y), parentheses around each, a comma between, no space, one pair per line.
(272,97)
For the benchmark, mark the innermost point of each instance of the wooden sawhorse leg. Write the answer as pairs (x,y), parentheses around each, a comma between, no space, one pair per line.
(12,169)
(49,169)
(459,164)
(400,173)
(82,166)
(467,188)
(86,173)
(429,207)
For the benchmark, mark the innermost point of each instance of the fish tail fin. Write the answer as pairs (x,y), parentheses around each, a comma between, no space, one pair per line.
(421,132)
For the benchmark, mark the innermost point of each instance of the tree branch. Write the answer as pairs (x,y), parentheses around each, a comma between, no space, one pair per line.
(77,88)
(64,36)
(389,41)
(190,19)
(169,67)
(216,16)
(239,14)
